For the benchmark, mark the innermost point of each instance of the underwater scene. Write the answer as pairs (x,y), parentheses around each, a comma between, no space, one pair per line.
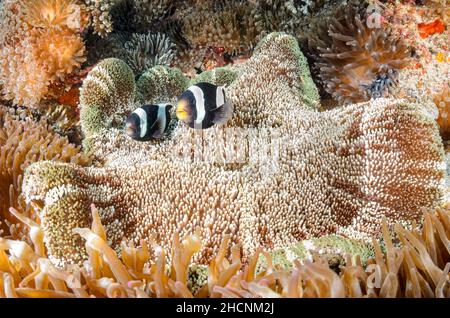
(224,149)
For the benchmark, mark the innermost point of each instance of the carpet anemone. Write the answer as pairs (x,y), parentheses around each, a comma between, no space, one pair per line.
(305,184)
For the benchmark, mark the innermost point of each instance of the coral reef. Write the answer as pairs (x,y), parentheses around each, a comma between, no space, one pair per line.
(141,51)
(40,44)
(130,35)
(153,12)
(331,179)
(441,8)
(426,80)
(336,172)
(230,27)
(23,142)
(198,27)
(276,15)
(354,61)
(418,267)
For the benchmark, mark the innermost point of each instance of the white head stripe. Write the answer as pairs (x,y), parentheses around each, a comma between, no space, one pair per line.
(200,103)
(143,120)
(220,97)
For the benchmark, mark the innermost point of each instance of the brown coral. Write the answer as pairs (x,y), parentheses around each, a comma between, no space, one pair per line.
(419,267)
(440,7)
(23,142)
(356,62)
(38,48)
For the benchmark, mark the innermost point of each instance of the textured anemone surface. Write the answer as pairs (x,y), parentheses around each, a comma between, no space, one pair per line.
(228,24)
(286,173)
(109,92)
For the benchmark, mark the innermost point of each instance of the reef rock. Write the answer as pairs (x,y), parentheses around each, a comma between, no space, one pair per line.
(279,172)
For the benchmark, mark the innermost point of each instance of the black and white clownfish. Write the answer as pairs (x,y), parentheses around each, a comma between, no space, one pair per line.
(148,122)
(203,105)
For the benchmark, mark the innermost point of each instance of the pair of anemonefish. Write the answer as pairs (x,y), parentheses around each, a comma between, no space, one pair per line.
(201,106)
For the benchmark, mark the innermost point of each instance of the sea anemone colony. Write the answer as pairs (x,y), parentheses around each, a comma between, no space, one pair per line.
(284,199)
(40,44)
(23,142)
(356,61)
(415,268)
